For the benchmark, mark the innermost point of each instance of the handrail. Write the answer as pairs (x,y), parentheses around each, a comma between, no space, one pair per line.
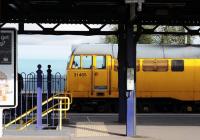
(35,118)
(70,95)
(44,113)
(71,101)
(31,110)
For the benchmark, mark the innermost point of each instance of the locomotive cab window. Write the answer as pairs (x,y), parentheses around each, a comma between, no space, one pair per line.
(86,62)
(76,62)
(100,62)
(177,65)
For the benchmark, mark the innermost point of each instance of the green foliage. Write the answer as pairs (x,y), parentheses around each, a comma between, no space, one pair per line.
(147,39)
(157,39)
(111,39)
(172,39)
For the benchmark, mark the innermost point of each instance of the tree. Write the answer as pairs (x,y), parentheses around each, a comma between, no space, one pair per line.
(147,39)
(173,39)
(157,39)
(111,39)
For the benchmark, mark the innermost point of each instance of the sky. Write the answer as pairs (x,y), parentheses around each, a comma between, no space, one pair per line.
(52,49)
(49,49)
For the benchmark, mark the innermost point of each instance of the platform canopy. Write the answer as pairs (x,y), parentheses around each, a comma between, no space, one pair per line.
(185,12)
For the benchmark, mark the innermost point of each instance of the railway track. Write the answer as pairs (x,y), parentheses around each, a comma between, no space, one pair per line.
(168,119)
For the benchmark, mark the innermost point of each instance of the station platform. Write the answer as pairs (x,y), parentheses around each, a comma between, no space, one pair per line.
(105,126)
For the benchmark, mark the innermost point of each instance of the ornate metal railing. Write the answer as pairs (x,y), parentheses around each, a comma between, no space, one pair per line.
(52,84)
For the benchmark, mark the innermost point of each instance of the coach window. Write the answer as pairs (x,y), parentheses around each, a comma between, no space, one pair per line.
(155,65)
(100,62)
(177,65)
(86,62)
(138,65)
(76,63)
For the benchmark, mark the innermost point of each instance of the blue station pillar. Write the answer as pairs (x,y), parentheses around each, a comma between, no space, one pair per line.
(39,97)
(127,71)
(127,77)
(131,41)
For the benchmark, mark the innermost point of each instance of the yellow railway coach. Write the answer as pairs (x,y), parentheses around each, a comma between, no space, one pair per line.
(168,78)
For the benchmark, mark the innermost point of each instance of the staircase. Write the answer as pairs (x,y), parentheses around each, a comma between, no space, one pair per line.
(63,105)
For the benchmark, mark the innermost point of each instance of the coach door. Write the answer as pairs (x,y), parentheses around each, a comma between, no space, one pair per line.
(196,83)
(100,76)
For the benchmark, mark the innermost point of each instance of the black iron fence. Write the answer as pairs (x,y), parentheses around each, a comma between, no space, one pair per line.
(52,84)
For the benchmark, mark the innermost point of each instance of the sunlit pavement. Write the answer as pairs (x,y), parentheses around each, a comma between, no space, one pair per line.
(105,126)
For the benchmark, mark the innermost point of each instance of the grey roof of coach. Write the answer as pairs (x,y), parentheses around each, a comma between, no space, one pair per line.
(143,50)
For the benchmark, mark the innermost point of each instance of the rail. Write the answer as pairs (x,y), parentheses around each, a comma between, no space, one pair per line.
(52,84)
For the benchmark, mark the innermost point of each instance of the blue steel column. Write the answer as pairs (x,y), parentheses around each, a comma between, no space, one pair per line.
(131,42)
(131,114)
(39,97)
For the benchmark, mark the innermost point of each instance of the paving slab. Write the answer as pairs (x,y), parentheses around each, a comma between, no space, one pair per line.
(106,127)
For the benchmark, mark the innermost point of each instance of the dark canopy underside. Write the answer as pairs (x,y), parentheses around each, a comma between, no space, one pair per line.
(174,12)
